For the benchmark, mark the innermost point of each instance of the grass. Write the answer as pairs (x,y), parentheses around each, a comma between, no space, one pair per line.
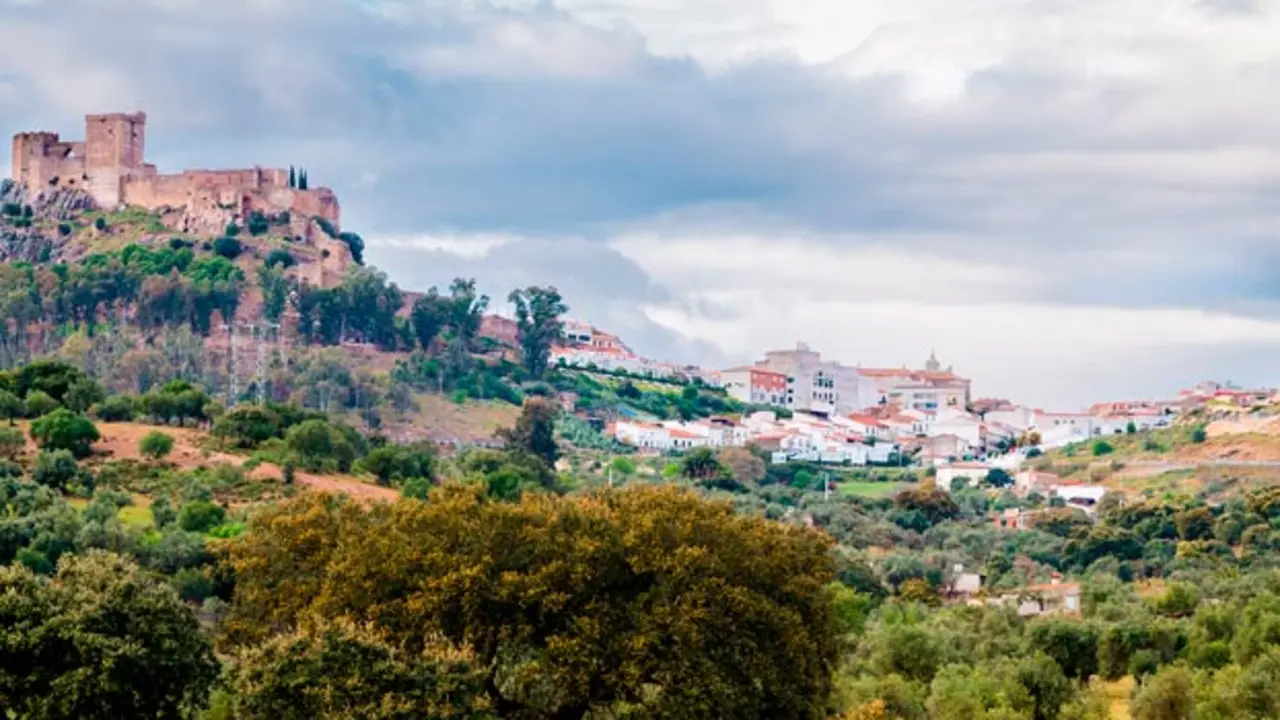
(1118,693)
(134,516)
(869,489)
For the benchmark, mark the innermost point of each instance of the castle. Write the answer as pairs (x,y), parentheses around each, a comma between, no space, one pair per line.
(109,165)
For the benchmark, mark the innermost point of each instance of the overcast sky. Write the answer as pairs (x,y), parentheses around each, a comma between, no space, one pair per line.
(1069,200)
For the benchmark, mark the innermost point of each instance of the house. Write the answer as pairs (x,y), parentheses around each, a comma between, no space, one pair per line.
(944,447)
(1035,481)
(1085,497)
(868,426)
(1012,519)
(1055,597)
(1019,418)
(971,471)
(755,386)
(963,585)
(645,436)
(815,384)
(929,389)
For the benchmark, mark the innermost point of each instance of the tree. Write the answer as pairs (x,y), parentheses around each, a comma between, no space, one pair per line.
(341,670)
(83,394)
(538,312)
(466,310)
(1073,645)
(228,247)
(162,512)
(11,406)
(535,430)
(65,430)
(1167,695)
(57,470)
(40,403)
(11,442)
(429,316)
(645,601)
(1130,428)
(701,464)
(156,445)
(117,408)
(200,516)
(321,447)
(100,640)
(247,426)
(398,463)
(1194,524)
(743,465)
(999,478)
(934,504)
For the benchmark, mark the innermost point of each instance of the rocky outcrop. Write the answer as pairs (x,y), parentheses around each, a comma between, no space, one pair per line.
(55,204)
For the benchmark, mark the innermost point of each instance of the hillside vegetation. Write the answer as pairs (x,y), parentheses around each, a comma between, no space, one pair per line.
(397,518)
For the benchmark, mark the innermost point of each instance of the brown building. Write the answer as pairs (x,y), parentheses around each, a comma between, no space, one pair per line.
(110,165)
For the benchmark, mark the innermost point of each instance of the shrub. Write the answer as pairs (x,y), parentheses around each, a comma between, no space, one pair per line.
(201,516)
(1102,447)
(11,442)
(65,430)
(257,223)
(100,224)
(280,257)
(57,470)
(228,247)
(1199,435)
(193,584)
(40,403)
(248,426)
(321,447)
(156,445)
(116,408)
(162,512)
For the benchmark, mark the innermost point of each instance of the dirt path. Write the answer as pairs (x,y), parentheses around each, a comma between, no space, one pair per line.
(120,441)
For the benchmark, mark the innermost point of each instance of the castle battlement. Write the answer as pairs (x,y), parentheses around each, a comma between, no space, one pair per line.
(110,165)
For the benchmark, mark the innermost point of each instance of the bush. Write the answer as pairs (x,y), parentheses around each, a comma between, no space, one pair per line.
(40,403)
(65,430)
(257,223)
(280,257)
(201,516)
(162,512)
(100,224)
(193,584)
(156,445)
(58,470)
(228,247)
(321,447)
(11,442)
(1199,435)
(248,426)
(117,408)
(1102,447)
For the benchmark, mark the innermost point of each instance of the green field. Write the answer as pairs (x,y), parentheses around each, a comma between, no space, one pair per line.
(869,489)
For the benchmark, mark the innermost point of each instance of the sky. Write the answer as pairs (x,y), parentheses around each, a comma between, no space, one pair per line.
(1067,200)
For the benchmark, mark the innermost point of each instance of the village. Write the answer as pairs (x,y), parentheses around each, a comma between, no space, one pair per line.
(805,408)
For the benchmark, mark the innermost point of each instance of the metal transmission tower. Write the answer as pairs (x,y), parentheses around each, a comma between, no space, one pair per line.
(233,373)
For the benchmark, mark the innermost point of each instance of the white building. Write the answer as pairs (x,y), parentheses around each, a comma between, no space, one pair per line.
(970,471)
(756,386)
(819,385)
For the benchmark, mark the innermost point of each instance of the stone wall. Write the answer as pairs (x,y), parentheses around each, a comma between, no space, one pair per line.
(110,165)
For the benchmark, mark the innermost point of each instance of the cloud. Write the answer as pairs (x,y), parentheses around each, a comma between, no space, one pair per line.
(1039,188)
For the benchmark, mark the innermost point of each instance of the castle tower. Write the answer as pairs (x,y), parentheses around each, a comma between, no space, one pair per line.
(932,365)
(113,149)
(28,150)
